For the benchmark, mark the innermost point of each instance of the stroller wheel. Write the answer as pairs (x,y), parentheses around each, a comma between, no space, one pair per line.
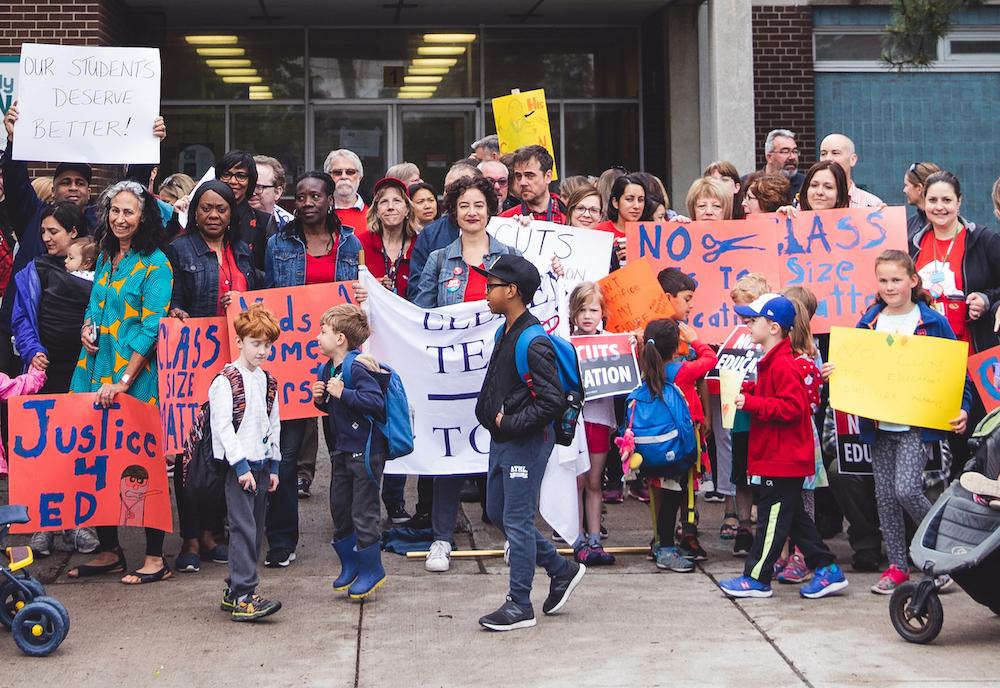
(915,625)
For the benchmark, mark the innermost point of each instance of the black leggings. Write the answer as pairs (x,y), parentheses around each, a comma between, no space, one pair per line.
(195,517)
(668,503)
(108,535)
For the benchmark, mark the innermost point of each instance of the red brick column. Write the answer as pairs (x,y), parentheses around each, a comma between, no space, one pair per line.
(784,86)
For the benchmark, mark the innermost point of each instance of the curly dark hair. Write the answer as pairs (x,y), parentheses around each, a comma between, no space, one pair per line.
(150,234)
(456,189)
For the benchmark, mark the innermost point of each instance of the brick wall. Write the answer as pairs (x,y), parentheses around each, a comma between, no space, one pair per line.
(101,22)
(784,88)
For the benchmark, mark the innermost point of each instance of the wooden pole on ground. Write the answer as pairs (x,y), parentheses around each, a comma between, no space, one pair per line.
(473,553)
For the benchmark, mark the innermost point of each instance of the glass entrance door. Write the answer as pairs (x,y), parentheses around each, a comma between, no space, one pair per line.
(434,137)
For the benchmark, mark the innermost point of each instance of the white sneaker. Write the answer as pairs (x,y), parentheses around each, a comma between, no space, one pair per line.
(41,543)
(439,558)
(506,552)
(85,540)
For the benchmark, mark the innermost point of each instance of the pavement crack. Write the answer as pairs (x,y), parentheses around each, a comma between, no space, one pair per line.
(764,634)
(357,649)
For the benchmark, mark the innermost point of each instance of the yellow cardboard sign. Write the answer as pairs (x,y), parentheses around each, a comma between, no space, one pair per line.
(730,385)
(910,380)
(523,120)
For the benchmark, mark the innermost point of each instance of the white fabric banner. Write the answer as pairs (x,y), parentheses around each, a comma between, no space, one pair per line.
(87,104)
(585,253)
(441,356)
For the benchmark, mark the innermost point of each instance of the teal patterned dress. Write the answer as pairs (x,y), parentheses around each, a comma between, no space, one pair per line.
(126,304)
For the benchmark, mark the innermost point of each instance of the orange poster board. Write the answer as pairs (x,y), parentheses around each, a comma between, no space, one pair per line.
(632,297)
(295,359)
(75,464)
(189,354)
(984,369)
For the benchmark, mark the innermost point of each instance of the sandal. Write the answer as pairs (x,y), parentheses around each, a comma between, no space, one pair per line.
(728,530)
(89,570)
(163,574)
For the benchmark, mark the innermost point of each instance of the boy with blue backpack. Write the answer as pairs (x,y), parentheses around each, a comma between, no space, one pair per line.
(527,404)
(351,390)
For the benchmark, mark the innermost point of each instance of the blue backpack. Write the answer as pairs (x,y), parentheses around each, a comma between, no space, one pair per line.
(664,432)
(398,425)
(569,377)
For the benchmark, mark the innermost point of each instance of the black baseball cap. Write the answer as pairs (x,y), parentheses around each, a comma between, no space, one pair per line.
(83,168)
(511,269)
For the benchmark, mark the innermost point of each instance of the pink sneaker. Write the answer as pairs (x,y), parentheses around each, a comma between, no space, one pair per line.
(795,571)
(779,566)
(891,578)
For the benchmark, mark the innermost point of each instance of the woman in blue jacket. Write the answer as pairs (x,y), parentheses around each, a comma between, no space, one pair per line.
(314,248)
(447,278)
(210,262)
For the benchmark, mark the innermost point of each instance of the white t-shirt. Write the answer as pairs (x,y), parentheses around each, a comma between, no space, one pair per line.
(905,324)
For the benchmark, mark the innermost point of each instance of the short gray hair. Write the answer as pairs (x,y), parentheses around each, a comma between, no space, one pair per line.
(403,170)
(491,142)
(772,135)
(344,153)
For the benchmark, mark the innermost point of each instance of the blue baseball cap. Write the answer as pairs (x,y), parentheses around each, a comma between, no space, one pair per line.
(771,306)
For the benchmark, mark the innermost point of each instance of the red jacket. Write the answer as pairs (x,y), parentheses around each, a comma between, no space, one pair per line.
(692,371)
(781,430)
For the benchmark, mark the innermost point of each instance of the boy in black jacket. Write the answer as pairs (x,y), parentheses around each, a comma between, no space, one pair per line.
(354,477)
(519,414)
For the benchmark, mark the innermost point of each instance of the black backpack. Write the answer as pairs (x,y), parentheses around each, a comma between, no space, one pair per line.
(202,475)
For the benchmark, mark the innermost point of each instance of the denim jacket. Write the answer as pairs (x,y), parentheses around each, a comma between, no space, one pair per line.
(440,269)
(285,258)
(196,274)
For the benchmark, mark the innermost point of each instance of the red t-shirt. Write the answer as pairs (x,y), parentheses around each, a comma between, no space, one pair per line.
(321,269)
(380,265)
(931,247)
(945,283)
(355,219)
(609,226)
(553,213)
(475,288)
(230,277)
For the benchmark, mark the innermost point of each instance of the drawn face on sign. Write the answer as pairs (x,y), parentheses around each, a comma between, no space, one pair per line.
(133,489)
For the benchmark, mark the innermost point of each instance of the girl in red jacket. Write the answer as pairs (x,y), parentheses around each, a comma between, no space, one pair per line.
(781,451)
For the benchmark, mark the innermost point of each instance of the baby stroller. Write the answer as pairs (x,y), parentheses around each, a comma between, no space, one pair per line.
(958,537)
(38,623)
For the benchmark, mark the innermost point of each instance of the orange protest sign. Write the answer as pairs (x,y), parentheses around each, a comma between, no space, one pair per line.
(75,464)
(830,252)
(984,369)
(632,297)
(715,254)
(189,354)
(295,359)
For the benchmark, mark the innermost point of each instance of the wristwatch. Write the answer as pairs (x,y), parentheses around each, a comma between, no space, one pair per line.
(125,379)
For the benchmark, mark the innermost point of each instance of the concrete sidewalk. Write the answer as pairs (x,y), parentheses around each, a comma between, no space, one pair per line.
(626,625)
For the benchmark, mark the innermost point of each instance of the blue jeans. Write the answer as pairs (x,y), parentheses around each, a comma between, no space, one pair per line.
(512,486)
(283,503)
(392,490)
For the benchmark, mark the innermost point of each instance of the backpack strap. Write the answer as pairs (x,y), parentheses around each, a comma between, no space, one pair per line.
(235,378)
(524,340)
(670,371)
(272,391)
(345,367)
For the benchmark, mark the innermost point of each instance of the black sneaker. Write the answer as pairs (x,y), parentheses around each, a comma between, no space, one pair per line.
(509,617)
(228,603)
(279,558)
(691,549)
(253,607)
(303,488)
(742,543)
(561,587)
(398,514)
(419,521)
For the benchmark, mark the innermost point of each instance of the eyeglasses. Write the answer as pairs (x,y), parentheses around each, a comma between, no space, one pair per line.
(347,172)
(787,151)
(241,177)
(498,182)
(260,187)
(491,285)
(587,210)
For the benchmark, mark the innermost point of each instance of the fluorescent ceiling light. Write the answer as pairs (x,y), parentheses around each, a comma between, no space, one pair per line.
(434,62)
(449,37)
(412,94)
(227,62)
(222,52)
(211,40)
(441,50)
(257,95)
(259,88)
(417,89)
(427,71)
(422,79)
(241,71)
(242,79)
